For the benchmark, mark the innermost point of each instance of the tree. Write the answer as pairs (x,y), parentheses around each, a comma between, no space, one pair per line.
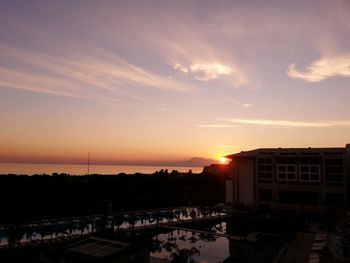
(184,255)
(131,219)
(82,225)
(169,246)
(193,238)
(193,214)
(184,213)
(170,215)
(157,216)
(101,223)
(118,219)
(29,231)
(14,235)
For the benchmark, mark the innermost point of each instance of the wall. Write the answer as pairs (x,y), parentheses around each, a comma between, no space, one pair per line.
(246,182)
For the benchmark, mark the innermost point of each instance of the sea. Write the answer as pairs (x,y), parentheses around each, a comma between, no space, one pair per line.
(82,169)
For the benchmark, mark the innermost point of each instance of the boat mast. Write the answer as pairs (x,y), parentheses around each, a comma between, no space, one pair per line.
(88,171)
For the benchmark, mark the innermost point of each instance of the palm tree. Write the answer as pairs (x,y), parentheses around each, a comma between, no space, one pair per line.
(184,255)
(156,245)
(131,219)
(101,223)
(82,225)
(169,246)
(29,231)
(171,236)
(11,237)
(207,237)
(43,231)
(184,213)
(177,214)
(144,218)
(71,227)
(193,214)
(119,219)
(14,235)
(203,211)
(61,229)
(170,215)
(157,216)
(193,238)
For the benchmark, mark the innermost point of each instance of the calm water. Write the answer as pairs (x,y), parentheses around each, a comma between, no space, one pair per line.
(56,229)
(210,250)
(81,169)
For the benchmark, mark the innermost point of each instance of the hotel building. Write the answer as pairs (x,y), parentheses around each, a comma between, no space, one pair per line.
(290,178)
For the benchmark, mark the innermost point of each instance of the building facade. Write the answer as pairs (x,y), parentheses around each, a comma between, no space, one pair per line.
(308,178)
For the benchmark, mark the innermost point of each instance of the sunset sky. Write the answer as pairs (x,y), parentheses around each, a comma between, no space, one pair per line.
(170,80)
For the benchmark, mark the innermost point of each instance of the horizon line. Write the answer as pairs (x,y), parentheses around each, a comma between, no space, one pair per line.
(168,164)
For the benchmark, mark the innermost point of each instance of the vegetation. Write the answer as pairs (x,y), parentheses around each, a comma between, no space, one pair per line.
(28,198)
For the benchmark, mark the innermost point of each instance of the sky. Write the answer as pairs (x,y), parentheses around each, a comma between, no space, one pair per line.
(143,81)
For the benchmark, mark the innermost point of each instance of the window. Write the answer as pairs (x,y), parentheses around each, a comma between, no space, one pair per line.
(334,172)
(286,172)
(264,170)
(309,173)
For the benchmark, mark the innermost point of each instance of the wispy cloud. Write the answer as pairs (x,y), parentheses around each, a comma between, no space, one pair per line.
(216,126)
(97,76)
(288,123)
(206,71)
(242,104)
(16,79)
(323,69)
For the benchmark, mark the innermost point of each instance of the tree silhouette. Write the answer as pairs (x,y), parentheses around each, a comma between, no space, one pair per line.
(184,255)
(118,219)
(131,219)
(193,214)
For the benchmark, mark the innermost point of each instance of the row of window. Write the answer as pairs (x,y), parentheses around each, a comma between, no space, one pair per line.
(331,162)
(304,168)
(307,173)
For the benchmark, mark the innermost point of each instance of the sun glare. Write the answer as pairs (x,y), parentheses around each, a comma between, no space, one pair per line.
(223,160)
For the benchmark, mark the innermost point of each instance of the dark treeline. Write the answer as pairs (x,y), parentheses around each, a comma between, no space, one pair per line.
(27,198)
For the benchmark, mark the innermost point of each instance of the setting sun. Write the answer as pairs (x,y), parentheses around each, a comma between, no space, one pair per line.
(223,160)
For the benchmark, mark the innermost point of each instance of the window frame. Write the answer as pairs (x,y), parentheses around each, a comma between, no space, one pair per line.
(287,173)
(309,173)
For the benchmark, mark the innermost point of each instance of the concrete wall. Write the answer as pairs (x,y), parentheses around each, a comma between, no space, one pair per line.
(229,191)
(246,181)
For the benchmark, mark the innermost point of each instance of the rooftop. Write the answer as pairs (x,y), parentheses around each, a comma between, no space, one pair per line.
(291,151)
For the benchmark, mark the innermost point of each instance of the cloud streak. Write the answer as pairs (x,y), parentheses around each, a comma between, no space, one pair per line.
(288,123)
(242,104)
(206,71)
(99,76)
(322,69)
(216,126)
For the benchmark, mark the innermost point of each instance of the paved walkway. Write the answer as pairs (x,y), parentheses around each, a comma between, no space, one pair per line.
(299,250)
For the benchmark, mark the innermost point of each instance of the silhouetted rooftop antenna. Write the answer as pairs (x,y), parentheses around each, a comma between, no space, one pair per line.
(88,171)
